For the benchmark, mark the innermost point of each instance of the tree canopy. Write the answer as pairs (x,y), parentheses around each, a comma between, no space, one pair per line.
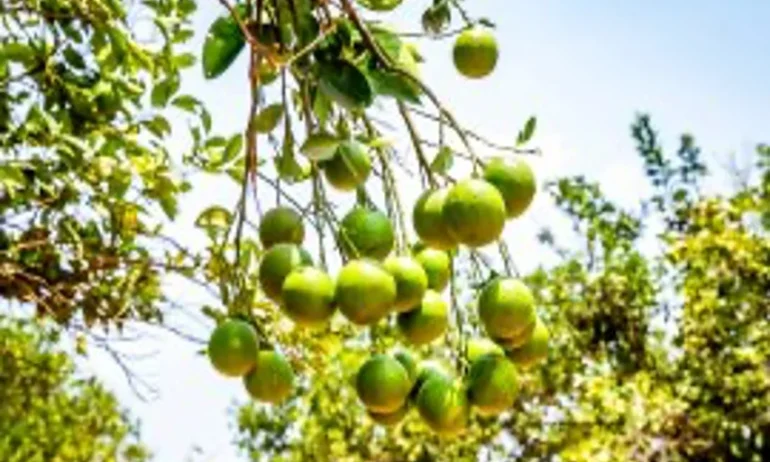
(48,412)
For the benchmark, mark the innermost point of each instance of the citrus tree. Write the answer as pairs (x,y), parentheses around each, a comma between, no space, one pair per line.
(48,412)
(656,355)
(89,187)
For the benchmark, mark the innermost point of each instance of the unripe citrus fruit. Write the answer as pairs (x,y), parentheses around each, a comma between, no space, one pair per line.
(349,168)
(382,384)
(308,296)
(233,347)
(365,291)
(411,281)
(366,233)
(479,347)
(492,384)
(428,221)
(426,322)
(437,266)
(272,378)
(475,52)
(515,181)
(536,348)
(519,339)
(389,419)
(276,264)
(280,225)
(443,406)
(506,308)
(410,365)
(380,5)
(426,371)
(474,212)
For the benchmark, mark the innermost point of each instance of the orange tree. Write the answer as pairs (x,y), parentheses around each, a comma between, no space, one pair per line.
(89,189)
(654,355)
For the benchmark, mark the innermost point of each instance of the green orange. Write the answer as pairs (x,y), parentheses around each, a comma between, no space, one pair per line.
(443,406)
(411,281)
(389,419)
(437,266)
(534,350)
(366,233)
(428,221)
(515,180)
(232,348)
(349,167)
(474,212)
(276,264)
(475,52)
(426,322)
(279,225)
(492,384)
(382,384)
(506,308)
(365,291)
(308,296)
(272,378)
(478,347)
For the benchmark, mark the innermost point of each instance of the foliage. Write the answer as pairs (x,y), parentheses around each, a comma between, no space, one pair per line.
(48,413)
(85,172)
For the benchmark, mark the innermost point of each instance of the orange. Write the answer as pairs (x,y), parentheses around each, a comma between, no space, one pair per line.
(475,52)
(515,181)
(279,225)
(535,350)
(272,378)
(411,281)
(478,347)
(426,322)
(365,291)
(391,418)
(437,266)
(308,296)
(232,348)
(276,264)
(382,384)
(492,384)
(443,406)
(506,308)
(474,212)
(349,167)
(428,221)
(366,233)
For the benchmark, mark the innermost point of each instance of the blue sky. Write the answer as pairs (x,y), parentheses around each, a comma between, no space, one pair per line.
(584,68)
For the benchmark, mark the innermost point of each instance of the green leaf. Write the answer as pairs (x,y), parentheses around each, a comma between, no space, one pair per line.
(388,41)
(184,60)
(186,102)
(233,148)
(158,126)
(164,90)
(214,218)
(320,146)
(394,85)
(286,164)
(268,118)
(223,43)
(526,133)
(345,84)
(443,160)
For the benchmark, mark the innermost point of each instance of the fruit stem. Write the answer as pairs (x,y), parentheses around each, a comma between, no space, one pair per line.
(383,58)
(417,146)
(460,361)
(391,191)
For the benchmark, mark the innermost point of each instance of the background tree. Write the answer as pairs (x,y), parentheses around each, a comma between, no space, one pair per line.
(48,411)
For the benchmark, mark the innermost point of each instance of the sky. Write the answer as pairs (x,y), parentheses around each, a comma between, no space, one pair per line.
(583,68)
